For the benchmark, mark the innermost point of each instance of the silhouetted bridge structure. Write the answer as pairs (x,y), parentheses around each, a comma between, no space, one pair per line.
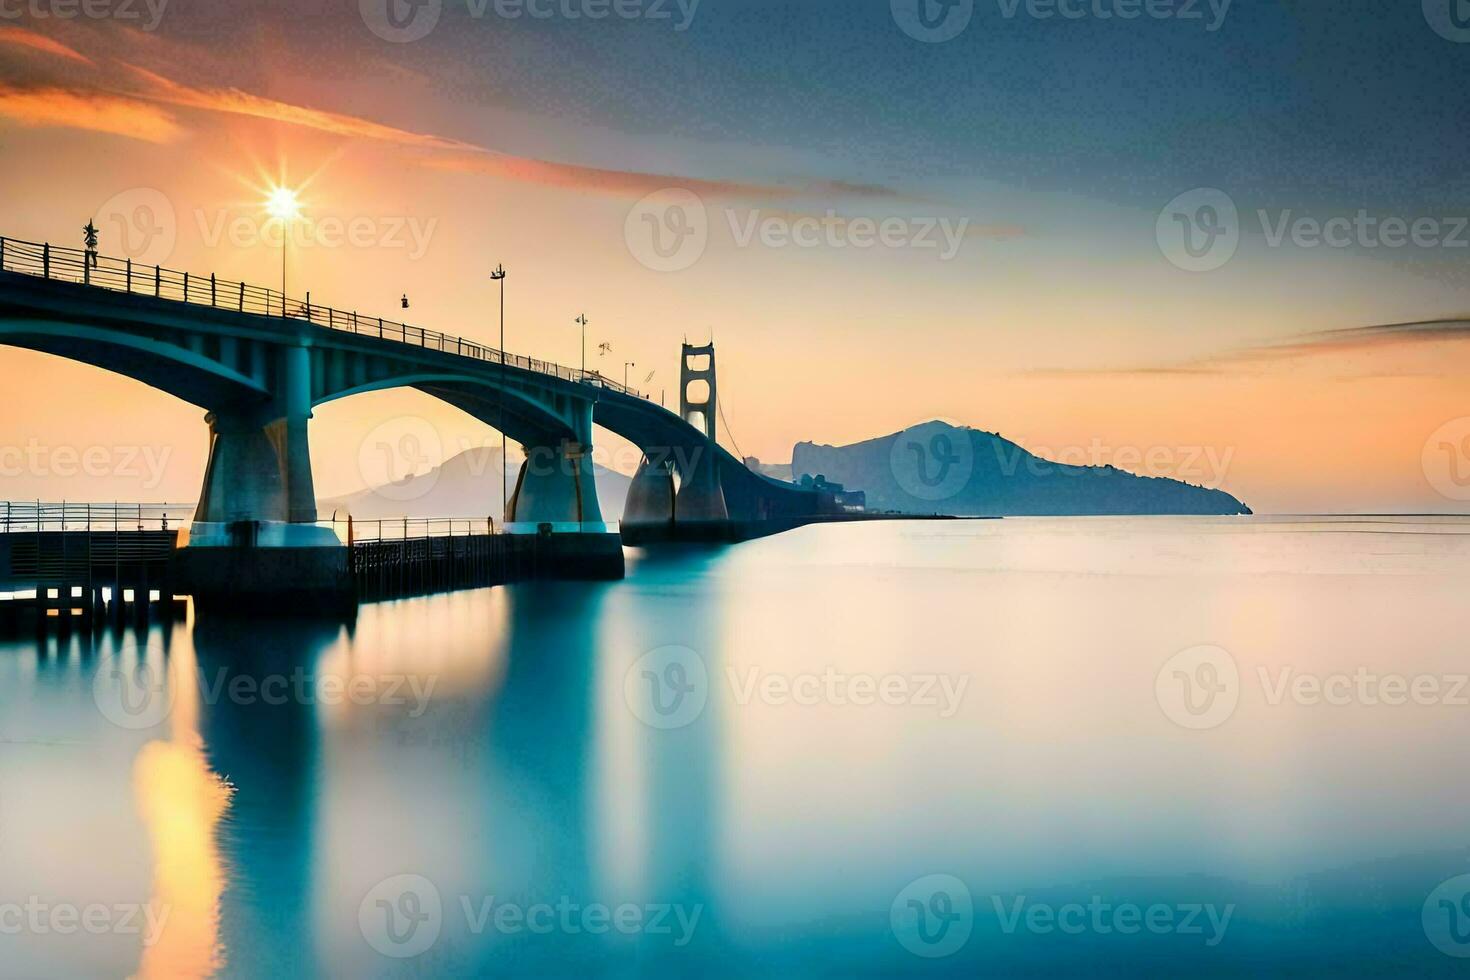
(258,363)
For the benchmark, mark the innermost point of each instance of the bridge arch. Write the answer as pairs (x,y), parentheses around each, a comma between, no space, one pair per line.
(186,374)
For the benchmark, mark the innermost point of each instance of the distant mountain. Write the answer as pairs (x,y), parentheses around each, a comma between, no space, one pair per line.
(936,468)
(468,485)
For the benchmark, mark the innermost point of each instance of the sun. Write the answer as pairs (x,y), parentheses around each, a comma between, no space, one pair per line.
(283,204)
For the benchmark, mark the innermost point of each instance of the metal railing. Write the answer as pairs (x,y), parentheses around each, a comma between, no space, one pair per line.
(74,265)
(30,516)
(19,517)
(354,531)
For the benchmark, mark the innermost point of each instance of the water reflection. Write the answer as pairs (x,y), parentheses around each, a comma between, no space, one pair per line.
(486,745)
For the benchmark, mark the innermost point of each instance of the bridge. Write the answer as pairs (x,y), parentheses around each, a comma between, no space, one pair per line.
(258,362)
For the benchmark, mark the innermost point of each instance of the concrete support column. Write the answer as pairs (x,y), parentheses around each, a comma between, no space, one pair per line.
(244,479)
(295,451)
(650,501)
(555,487)
(701,498)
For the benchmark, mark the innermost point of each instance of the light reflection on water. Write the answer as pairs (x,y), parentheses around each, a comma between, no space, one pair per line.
(487,743)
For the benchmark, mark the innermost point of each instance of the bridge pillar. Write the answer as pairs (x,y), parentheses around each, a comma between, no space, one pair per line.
(555,498)
(254,539)
(701,499)
(259,470)
(650,502)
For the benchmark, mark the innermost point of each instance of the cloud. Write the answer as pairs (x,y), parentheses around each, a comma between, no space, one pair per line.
(39,42)
(630,183)
(91,111)
(118,104)
(1322,343)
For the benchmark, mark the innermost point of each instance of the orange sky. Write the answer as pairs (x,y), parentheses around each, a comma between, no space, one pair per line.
(1057,324)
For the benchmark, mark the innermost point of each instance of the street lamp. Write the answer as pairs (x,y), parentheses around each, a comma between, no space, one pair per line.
(583,321)
(498,275)
(284,206)
(626,365)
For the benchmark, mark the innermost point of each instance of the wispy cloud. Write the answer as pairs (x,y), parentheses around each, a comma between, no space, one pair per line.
(1322,343)
(21,37)
(236,102)
(91,111)
(632,182)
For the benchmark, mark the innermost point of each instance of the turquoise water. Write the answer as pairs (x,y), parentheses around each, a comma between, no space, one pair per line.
(1158,747)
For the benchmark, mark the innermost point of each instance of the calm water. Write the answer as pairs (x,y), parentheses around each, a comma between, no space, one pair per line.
(1106,747)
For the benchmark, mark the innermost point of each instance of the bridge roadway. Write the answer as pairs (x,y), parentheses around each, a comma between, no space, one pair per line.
(257,363)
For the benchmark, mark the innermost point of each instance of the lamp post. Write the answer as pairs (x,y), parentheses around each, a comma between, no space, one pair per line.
(626,365)
(283,205)
(499,276)
(583,321)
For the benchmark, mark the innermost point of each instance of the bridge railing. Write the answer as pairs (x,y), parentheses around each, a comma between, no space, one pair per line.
(354,531)
(29,516)
(19,517)
(123,275)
